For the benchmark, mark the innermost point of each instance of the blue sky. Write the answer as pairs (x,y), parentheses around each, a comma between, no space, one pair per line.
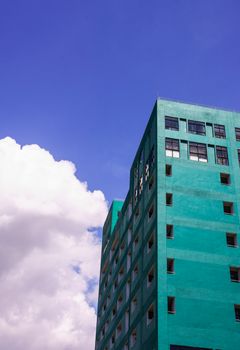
(80,78)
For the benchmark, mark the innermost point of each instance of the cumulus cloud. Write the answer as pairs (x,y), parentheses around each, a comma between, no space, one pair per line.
(49,253)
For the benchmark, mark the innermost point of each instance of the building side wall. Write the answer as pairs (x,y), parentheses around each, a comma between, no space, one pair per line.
(201,284)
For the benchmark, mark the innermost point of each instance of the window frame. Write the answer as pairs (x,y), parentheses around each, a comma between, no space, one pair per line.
(222,155)
(172,147)
(234,272)
(237,133)
(219,131)
(234,236)
(227,177)
(195,125)
(200,155)
(171,123)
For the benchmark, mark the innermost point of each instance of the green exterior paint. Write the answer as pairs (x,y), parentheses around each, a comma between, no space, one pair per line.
(201,284)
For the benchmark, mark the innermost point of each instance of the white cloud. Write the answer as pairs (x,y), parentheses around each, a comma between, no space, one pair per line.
(45,217)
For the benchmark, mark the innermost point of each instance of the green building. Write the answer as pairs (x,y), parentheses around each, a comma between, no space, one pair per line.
(170,266)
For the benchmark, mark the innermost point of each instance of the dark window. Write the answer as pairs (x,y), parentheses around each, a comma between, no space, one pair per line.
(170,265)
(150,314)
(168,170)
(169,199)
(228,207)
(133,338)
(150,277)
(119,329)
(151,182)
(231,239)
(237,312)
(150,243)
(171,305)
(196,127)
(238,156)
(198,151)
(225,179)
(151,158)
(237,133)
(221,155)
(171,123)
(172,147)
(150,212)
(169,231)
(219,131)
(235,274)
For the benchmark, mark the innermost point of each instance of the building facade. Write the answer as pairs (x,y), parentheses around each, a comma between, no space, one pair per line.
(170,265)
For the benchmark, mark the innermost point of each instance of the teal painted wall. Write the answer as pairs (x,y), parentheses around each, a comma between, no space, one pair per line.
(201,284)
(205,295)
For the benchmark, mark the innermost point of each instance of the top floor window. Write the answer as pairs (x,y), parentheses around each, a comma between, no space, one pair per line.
(172,148)
(196,127)
(171,123)
(219,131)
(237,133)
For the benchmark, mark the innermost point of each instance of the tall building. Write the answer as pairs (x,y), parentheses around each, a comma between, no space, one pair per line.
(170,266)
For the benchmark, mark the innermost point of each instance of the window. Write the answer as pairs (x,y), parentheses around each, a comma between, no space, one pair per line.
(169,199)
(119,329)
(129,235)
(231,239)
(219,131)
(133,338)
(235,274)
(122,247)
(171,123)
(221,155)
(237,312)
(135,272)
(225,179)
(168,170)
(128,260)
(198,152)
(150,243)
(137,213)
(172,148)
(150,314)
(171,305)
(151,182)
(237,133)
(228,207)
(115,284)
(140,184)
(120,274)
(151,158)
(170,266)
(195,127)
(150,212)
(113,312)
(126,320)
(150,277)
(134,304)
(128,289)
(135,243)
(169,231)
